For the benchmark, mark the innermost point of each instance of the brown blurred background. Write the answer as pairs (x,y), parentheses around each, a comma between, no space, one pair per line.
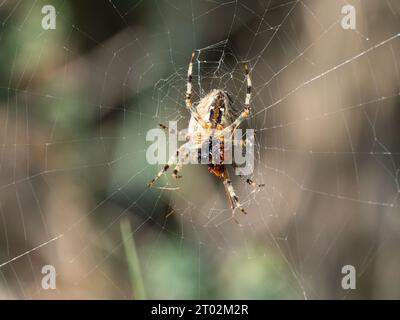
(75,106)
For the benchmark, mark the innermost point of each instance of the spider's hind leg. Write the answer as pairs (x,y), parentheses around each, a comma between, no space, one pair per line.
(233,198)
(253,183)
(181,163)
(170,162)
(163,126)
(249,181)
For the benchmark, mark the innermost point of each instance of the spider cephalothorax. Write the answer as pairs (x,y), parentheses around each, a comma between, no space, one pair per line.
(210,120)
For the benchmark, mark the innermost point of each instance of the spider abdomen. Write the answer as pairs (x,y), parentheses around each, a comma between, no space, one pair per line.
(217,169)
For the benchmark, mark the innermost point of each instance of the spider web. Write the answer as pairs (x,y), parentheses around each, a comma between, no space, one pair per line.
(77,102)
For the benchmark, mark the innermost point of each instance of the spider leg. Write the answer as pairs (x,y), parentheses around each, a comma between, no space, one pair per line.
(169,130)
(233,198)
(163,126)
(181,134)
(253,183)
(179,166)
(188,100)
(170,162)
(249,181)
(246,111)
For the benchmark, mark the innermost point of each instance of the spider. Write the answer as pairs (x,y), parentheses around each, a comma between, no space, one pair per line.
(211,119)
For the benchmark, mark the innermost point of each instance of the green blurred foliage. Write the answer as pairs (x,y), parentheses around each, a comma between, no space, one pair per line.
(171,271)
(256,275)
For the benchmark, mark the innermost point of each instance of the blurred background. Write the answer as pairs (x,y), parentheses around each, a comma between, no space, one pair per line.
(76,104)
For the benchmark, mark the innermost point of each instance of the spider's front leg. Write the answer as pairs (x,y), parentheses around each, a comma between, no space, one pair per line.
(170,162)
(189,90)
(246,111)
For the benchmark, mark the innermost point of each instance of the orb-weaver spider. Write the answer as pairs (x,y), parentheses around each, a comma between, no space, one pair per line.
(212,118)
